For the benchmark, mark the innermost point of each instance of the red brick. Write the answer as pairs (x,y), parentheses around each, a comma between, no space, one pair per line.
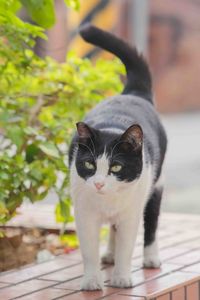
(180,239)
(3,285)
(157,284)
(36,270)
(84,296)
(186,259)
(171,252)
(148,274)
(23,288)
(73,285)
(123,297)
(46,294)
(162,285)
(192,291)
(194,244)
(65,274)
(179,294)
(164,297)
(142,275)
(193,268)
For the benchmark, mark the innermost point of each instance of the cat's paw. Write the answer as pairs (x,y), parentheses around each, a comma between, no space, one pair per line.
(92,283)
(121,281)
(108,258)
(151,262)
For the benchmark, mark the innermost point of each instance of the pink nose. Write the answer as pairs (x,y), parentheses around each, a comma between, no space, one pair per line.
(99,185)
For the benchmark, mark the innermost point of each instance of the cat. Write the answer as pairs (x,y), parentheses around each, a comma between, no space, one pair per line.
(116,158)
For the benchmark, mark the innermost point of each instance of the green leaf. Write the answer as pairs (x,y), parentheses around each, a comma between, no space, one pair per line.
(4,176)
(50,149)
(16,135)
(32,151)
(41,11)
(75,4)
(70,240)
(30,131)
(62,211)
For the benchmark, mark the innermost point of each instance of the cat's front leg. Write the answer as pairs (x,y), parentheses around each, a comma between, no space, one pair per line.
(126,233)
(109,256)
(88,227)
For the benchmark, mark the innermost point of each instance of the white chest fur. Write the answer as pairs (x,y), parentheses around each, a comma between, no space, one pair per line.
(118,199)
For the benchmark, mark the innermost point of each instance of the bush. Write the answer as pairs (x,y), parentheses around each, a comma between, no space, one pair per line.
(40,101)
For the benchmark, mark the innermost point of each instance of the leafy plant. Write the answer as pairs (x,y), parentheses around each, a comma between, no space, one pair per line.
(40,101)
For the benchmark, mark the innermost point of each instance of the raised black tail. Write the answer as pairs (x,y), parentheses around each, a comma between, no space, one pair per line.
(138,74)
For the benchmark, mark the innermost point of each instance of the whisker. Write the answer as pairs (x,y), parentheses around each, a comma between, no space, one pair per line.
(120,142)
(87,148)
(93,145)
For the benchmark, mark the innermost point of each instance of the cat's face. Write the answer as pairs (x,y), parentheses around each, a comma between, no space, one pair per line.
(107,161)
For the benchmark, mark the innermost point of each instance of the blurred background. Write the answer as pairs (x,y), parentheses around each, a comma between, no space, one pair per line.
(168,34)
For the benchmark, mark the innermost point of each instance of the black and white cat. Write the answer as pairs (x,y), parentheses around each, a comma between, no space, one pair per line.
(116,159)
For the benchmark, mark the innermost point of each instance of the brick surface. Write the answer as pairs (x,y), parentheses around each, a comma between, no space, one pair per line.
(179,294)
(162,285)
(193,292)
(171,252)
(164,297)
(192,268)
(177,279)
(123,297)
(23,288)
(36,270)
(187,259)
(86,295)
(65,274)
(144,275)
(73,285)
(46,294)
(3,285)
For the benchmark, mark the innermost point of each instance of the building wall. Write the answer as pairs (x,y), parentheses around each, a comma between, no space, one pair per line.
(173,43)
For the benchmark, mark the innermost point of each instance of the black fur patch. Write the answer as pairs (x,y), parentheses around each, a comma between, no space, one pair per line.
(118,151)
(151,215)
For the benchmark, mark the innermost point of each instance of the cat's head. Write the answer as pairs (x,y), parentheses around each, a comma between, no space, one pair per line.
(108,161)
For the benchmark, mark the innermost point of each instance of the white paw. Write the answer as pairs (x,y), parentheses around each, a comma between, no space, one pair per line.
(151,261)
(108,258)
(91,283)
(121,281)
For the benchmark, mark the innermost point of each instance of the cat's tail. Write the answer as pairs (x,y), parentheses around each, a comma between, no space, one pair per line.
(138,74)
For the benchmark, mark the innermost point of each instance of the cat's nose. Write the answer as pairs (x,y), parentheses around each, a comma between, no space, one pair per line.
(99,185)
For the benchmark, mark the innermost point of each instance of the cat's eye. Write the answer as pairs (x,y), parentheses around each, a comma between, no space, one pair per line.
(89,165)
(116,168)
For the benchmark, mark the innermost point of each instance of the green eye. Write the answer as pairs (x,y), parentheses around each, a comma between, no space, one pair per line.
(116,168)
(89,165)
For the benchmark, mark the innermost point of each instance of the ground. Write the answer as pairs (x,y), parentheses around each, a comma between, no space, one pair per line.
(177,279)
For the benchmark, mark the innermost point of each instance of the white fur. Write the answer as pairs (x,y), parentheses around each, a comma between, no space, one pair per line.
(109,256)
(113,130)
(118,203)
(151,256)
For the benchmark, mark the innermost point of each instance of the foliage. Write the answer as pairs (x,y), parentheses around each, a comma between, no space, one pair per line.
(40,101)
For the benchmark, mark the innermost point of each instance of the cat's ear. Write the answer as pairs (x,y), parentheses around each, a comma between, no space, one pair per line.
(84,131)
(134,136)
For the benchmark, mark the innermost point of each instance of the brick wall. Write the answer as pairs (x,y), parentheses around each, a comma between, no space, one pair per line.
(174,54)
